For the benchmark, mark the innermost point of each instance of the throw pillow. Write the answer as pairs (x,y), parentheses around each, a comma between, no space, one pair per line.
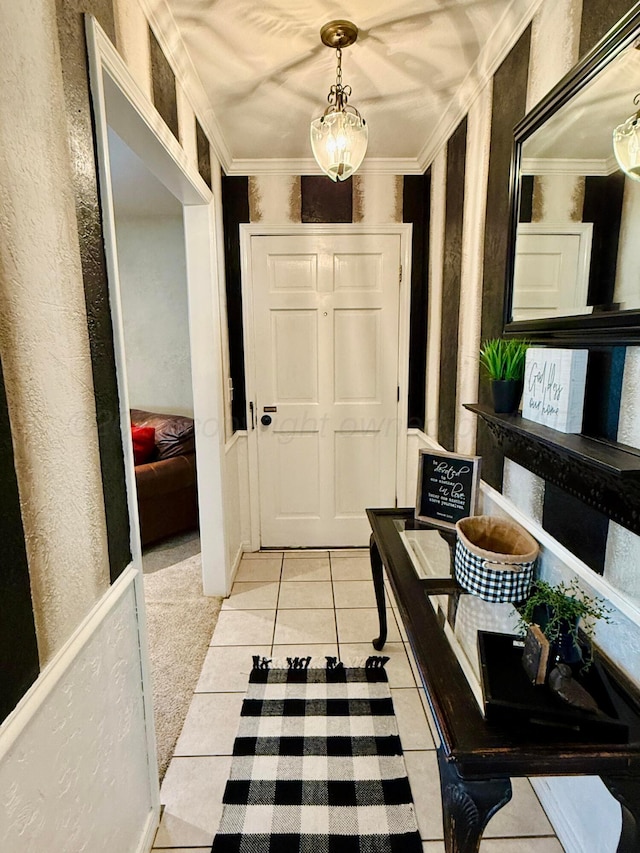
(144,443)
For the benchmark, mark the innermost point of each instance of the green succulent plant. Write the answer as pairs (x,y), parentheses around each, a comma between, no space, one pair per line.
(504,359)
(565,606)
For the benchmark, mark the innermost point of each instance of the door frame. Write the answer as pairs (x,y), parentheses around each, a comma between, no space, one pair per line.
(119,103)
(247,231)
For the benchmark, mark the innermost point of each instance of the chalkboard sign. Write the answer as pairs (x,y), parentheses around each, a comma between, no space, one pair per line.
(447,487)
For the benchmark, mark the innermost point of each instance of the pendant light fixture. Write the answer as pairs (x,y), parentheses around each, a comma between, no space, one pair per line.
(626,144)
(339,137)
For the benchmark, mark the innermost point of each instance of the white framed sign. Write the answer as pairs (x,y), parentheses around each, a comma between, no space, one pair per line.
(554,384)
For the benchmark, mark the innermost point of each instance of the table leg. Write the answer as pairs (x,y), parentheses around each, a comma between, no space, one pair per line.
(626,790)
(378,585)
(467,806)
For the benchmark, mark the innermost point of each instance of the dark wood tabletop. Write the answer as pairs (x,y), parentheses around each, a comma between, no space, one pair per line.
(477,758)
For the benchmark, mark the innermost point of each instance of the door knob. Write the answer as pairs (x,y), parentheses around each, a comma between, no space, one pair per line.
(265,420)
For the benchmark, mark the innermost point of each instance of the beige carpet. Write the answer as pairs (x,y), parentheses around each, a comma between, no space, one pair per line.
(180,622)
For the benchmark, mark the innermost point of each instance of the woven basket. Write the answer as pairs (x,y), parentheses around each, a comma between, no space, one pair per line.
(494,558)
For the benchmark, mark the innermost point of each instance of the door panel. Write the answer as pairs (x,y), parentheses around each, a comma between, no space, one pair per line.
(325,312)
(295,379)
(356,479)
(356,355)
(552,270)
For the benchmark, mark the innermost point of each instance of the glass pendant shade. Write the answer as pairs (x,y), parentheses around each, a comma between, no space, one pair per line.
(339,143)
(626,146)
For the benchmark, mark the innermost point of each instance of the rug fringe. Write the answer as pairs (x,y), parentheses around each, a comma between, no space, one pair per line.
(319,662)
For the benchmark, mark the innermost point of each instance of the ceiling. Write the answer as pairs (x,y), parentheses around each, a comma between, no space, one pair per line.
(580,132)
(266,73)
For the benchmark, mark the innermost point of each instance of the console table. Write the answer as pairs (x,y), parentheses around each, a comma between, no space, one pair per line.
(477,759)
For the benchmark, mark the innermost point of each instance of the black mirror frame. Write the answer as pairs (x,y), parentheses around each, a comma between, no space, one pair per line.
(615,327)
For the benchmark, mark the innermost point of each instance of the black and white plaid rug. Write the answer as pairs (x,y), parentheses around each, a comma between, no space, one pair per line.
(317,764)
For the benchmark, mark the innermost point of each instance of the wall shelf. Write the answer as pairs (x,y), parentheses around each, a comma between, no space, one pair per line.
(603,474)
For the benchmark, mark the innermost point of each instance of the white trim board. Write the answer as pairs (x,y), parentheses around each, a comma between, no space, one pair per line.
(247,231)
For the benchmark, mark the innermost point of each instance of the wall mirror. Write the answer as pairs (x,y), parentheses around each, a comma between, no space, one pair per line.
(574,261)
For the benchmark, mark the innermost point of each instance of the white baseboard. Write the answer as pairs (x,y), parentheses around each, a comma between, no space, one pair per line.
(149,832)
(243,548)
(583,813)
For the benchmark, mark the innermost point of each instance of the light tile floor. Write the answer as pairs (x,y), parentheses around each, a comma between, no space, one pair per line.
(320,603)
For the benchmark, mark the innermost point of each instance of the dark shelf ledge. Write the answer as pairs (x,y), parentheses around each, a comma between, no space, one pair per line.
(603,474)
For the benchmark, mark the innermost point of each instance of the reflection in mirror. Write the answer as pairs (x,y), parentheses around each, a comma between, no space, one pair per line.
(578,235)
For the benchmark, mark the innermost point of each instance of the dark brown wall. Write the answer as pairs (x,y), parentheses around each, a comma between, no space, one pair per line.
(324,200)
(94,271)
(598,17)
(19,665)
(416,208)
(163,86)
(204,154)
(235,209)
(509,104)
(456,154)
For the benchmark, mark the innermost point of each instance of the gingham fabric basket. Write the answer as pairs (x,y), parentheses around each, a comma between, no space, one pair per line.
(494,558)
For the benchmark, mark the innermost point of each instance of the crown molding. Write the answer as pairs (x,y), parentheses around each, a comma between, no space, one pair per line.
(308,166)
(165,29)
(566,166)
(507,32)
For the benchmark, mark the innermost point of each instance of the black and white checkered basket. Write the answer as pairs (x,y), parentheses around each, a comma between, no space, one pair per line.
(494,558)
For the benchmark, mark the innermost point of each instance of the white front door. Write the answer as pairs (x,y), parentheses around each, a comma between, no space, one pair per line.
(325,317)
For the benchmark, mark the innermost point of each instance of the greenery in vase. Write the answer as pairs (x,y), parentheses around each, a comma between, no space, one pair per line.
(566,606)
(504,359)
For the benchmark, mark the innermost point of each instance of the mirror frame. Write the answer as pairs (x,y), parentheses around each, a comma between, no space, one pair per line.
(613,327)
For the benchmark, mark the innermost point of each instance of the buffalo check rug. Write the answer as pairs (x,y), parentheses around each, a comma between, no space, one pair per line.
(317,764)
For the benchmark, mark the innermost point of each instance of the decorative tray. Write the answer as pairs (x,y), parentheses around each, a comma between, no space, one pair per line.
(511,700)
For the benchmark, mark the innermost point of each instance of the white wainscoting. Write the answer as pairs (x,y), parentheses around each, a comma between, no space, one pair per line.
(416,441)
(237,504)
(77,758)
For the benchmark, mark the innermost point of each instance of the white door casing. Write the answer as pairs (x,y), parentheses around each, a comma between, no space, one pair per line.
(323,306)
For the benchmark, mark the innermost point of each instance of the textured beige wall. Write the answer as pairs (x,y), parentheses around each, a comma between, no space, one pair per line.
(132,37)
(555,42)
(274,199)
(43,333)
(377,199)
(476,177)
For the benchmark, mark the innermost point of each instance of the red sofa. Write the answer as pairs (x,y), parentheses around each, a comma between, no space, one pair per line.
(166,483)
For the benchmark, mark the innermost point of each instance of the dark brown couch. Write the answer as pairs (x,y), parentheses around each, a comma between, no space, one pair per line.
(166,485)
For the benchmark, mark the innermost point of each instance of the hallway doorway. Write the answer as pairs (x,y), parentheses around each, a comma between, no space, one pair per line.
(122,110)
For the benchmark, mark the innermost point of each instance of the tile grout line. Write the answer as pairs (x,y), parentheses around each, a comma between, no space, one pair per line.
(275,618)
(333,598)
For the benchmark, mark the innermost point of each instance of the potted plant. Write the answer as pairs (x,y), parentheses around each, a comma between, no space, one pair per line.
(559,611)
(504,361)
